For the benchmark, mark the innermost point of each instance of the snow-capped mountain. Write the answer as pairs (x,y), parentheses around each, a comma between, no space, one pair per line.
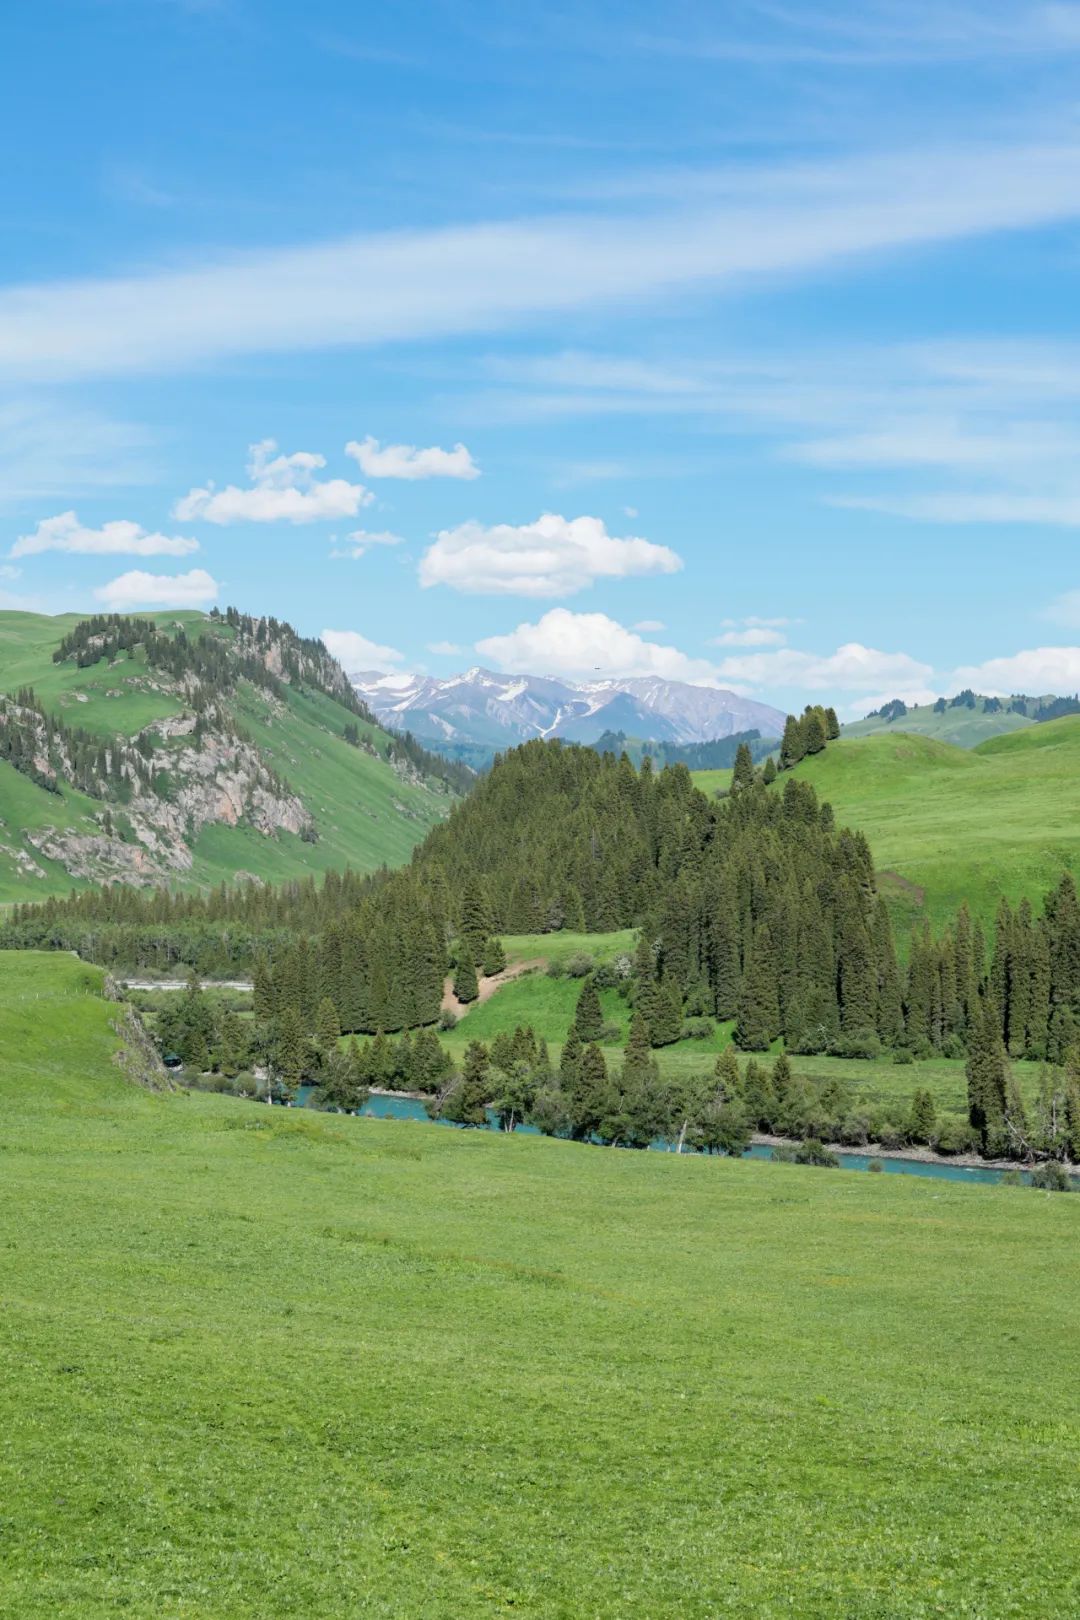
(486,710)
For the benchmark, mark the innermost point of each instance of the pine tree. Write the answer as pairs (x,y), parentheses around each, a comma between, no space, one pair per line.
(987,1079)
(791,744)
(832,725)
(743,774)
(494,957)
(327,1028)
(466,986)
(665,1026)
(466,1103)
(589,1016)
(291,1047)
(923,1119)
(262,991)
(475,923)
(813,732)
(759,1006)
(768,775)
(726,1074)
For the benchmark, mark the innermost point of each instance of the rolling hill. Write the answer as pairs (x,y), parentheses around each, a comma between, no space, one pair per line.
(266,1363)
(204,747)
(948,824)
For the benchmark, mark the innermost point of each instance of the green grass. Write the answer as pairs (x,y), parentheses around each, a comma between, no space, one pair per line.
(963,727)
(947,824)
(562,946)
(261,1364)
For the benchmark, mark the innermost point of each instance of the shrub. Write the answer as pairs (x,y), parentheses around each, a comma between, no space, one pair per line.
(955,1135)
(875,1167)
(698,1029)
(903,1054)
(555,969)
(855,1130)
(447,1018)
(580,965)
(784,1153)
(863,1044)
(814,1152)
(1011,1178)
(1052,1177)
(611,1034)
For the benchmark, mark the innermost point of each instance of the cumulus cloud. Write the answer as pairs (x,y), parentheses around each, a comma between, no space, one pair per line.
(406,461)
(649,625)
(554,556)
(851,668)
(589,644)
(1036,670)
(354,651)
(121,537)
(446,649)
(137,589)
(361,540)
(284,489)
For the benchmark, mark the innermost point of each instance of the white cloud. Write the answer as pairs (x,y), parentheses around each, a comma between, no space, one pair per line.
(554,556)
(355,652)
(121,537)
(851,667)
(445,649)
(996,506)
(752,636)
(913,696)
(725,227)
(406,461)
(137,589)
(630,511)
(283,489)
(49,451)
(925,442)
(589,644)
(361,540)
(1065,609)
(649,625)
(1035,671)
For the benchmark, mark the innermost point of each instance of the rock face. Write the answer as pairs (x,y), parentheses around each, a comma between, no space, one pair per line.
(491,710)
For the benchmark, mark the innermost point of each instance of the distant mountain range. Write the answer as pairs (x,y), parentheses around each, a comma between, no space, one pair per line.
(480,711)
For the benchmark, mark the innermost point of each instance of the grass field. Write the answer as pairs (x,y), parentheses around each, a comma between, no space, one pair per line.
(947,824)
(264,1364)
(964,727)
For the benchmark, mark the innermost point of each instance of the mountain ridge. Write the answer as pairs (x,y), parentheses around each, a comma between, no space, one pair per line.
(480,709)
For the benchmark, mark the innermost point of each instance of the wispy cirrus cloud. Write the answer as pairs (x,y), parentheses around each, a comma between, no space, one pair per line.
(408,285)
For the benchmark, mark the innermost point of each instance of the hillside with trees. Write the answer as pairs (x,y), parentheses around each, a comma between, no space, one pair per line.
(142,752)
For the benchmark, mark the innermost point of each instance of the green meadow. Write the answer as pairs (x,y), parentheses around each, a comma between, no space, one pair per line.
(260,1363)
(947,824)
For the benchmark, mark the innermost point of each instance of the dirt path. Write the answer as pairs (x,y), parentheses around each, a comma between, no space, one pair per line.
(488,986)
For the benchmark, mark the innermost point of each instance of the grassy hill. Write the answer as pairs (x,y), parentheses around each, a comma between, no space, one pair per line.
(259,1363)
(947,824)
(964,727)
(332,803)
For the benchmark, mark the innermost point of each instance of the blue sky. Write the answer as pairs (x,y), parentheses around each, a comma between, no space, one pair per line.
(735,343)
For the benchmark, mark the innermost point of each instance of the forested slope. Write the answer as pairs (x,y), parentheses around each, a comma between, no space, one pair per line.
(190,747)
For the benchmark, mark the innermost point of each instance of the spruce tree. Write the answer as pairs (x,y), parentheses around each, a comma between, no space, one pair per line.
(466,986)
(923,1119)
(743,773)
(791,744)
(832,725)
(768,774)
(494,957)
(759,1006)
(327,1027)
(987,1073)
(726,1074)
(589,1016)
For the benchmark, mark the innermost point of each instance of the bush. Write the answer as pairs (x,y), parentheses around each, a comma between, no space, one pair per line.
(447,1018)
(814,1152)
(863,1044)
(955,1135)
(611,1034)
(555,969)
(612,975)
(1011,1178)
(1052,1177)
(903,1054)
(580,965)
(855,1130)
(875,1167)
(784,1153)
(698,1029)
